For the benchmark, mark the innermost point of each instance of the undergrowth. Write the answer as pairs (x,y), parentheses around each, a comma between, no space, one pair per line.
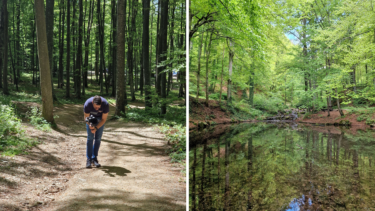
(13,139)
(36,119)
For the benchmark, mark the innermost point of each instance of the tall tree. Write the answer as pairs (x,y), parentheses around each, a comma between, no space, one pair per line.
(79,51)
(145,54)
(114,47)
(67,93)
(61,44)
(49,26)
(207,59)
(5,46)
(199,63)
(131,54)
(231,54)
(45,82)
(121,88)
(163,51)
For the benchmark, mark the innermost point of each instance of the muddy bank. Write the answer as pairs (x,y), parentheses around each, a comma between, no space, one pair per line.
(334,118)
(213,114)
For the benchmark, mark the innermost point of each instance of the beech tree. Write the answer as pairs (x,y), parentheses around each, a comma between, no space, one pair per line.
(45,82)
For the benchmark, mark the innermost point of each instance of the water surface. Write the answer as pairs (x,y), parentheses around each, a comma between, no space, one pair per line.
(272,167)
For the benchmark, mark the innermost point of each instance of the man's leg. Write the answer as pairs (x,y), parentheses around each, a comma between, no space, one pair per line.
(89,145)
(98,138)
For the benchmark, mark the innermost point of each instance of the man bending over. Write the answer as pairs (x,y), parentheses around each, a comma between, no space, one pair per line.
(98,107)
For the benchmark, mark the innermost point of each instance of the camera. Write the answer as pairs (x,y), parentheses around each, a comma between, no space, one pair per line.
(92,121)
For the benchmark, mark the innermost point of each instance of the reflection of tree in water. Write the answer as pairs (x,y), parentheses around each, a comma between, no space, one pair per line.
(251,169)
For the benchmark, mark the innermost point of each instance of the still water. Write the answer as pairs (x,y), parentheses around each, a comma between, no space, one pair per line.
(271,167)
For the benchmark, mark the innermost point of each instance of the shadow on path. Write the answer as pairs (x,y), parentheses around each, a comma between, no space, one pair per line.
(112,171)
(119,201)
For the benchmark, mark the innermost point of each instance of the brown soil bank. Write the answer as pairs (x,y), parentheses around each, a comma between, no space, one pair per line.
(211,114)
(322,118)
(135,175)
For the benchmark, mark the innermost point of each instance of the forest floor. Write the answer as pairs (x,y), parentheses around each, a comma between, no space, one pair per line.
(335,117)
(199,112)
(136,173)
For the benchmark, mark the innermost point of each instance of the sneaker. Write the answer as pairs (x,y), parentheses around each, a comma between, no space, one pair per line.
(88,163)
(96,162)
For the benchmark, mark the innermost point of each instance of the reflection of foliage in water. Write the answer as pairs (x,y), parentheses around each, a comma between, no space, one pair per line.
(267,168)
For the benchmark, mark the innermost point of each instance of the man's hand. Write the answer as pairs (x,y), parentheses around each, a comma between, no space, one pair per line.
(93,130)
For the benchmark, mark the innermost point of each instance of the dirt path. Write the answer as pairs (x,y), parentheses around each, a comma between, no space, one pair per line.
(135,173)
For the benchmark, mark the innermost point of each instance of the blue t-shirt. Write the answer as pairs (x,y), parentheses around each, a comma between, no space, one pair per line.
(89,108)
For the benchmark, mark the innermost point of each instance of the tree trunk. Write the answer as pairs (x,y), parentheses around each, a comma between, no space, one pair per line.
(130,48)
(249,170)
(101,40)
(182,75)
(194,180)
(207,58)
(49,26)
(201,192)
(97,57)
(227,190)
(121,88)
(145,49)
(163,50)
(78,69)
(229,88)
(1,44)
(142,77)
(157,71)
(67,95)
(338,103)
(5,47)
(114,18)
(171,50)
(18,47)
(87,45)
(74,45)
(199,64)
(45,82)
(222,72)
(61,46)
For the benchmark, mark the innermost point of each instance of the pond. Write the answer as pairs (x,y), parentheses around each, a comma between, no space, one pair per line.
(263,166)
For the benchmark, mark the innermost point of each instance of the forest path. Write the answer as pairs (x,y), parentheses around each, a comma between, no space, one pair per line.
(135,173)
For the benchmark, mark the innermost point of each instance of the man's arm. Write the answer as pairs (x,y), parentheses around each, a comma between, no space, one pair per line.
(104,119)
(85,116)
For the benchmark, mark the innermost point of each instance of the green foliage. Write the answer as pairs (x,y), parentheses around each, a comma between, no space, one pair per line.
(153,116)
(36,119)
(361,118)
(307,115)
(13,140)
(271,104)
(176,137)
(244,107)
(216,96)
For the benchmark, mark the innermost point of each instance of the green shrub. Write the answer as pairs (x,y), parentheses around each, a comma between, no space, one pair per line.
(176,137)
(216,96)
(12,137)
(271,104)
(244,107)
(370,121)
(36,119)
(361,118)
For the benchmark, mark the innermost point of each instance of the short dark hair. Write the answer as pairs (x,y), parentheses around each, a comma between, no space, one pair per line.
(97,100)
